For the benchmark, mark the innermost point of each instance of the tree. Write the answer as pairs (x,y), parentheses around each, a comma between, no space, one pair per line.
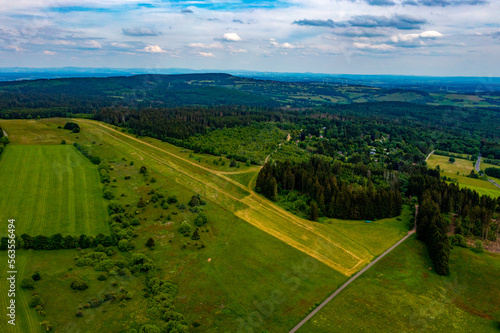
(314,211)
(63,142)
(148,328)
(79,285)
(184,228)
(108,195)
(143,170)
(141,203)
(196,235)
(201,219)
(451,159)
(36,276)
(233,163)
(150,242)
(28,283)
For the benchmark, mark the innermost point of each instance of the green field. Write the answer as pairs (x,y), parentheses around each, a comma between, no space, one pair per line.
(401,294)
(463,167)
(51,189)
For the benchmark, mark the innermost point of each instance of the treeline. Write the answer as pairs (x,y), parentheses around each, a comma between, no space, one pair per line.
(86,152)
(492,172)
(58,241)
(432,229)
(331,195)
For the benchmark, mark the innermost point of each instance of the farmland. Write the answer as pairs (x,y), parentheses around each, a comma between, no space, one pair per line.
(55,190)
(459,170)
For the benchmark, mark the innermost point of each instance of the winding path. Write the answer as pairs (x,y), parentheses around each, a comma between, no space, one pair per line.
(432,152)
(309,316)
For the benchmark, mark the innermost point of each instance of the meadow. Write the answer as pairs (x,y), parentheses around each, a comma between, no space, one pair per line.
(261,267)
(51,189)
(401,294)
(463,167)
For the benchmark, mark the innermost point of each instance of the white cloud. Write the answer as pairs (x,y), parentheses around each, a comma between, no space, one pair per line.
(375,47)
(92,44)
(410,37)
(232,37)
(215,45)
(154,49)
(49,52)
(205,54)
(285,45)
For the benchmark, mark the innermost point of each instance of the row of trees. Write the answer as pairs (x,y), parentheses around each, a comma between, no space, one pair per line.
(330,193)
(58,241)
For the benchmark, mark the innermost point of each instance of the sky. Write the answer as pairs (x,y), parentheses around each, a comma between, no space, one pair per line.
(406,37)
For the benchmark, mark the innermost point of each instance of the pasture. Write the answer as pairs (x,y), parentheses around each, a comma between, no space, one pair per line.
(51,189)
(463,167)
(403,293)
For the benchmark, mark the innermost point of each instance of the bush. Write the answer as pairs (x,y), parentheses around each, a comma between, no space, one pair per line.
(200,220)
(143,170)
(141,203)
(478,246)
(102,277)
(458,240)
(36,276)
(185,228)
(79,285)
(150,242)
(172,199)
(108,195)
(148,328)
(153,180)
(233,163)
(28,283)
(35,301)
(124,245)
(63,142)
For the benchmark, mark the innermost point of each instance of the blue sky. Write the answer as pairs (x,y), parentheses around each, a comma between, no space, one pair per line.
(415,37)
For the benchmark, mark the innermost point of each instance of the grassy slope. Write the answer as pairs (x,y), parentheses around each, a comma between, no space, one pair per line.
(51,189)
(463,167)
(248,267)
(400,294)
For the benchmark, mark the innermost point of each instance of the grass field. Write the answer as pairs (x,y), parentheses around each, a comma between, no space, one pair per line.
(260,255)
(51,189)
(463,167)
(314,239)
(401,294)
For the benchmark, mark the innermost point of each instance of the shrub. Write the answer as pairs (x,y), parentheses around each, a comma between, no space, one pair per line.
(150,242)
(153,180)
(63,142)
(148,328)
(141,203)
(28,283)
(164,206)
(478,246)
(131,162)
(36,300)
(36,276)
(143,169)
(184,228)
(124,245)
(200,220)
(135,222)
(79,285)
(108,195)
(233,163)
(196,235)
(172,199)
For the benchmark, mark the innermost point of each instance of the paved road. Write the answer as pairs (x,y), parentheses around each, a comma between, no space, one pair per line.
(309,316)
(432,152)
(494,183)
(478,163)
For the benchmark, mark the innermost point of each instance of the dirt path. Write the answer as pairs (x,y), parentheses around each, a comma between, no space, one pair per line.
(4,133)
(351,280)
(432,152)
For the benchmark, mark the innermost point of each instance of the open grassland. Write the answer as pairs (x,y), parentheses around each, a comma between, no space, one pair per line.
(463,167)
(401,294)
(314,239)
(245,276)
(51,189)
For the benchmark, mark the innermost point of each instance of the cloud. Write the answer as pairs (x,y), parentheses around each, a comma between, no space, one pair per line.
(49,52)
(381,2)
(140,32)
(410,37)
(92,44)
(187,11)
(281,46)
(444,3)
(401,22)
(373,47)
(231,37)
(316,23)
(154,49)
(237,21)
(206,54)
(215,45)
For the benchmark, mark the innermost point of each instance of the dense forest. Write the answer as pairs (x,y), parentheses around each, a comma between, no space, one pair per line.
(332,188)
